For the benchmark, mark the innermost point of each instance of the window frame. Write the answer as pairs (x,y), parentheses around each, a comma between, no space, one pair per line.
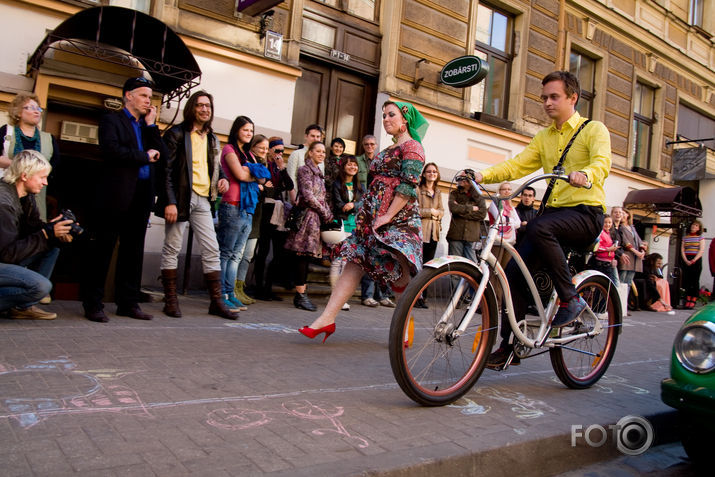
(696,13)
(600,74)
(651,167)
(505,56)
(586,95)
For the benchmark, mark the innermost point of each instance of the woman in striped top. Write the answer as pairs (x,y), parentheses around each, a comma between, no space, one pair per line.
(691,251)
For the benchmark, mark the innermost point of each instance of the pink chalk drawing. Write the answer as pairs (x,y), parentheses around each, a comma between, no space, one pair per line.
(35,392)
(58,388)
(235,419)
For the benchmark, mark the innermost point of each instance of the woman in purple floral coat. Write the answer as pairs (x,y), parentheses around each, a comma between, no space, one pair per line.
(387,240)
(305,242)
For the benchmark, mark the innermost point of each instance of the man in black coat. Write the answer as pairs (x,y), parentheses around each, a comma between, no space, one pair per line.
(192,180)
(130,144)
(525,210)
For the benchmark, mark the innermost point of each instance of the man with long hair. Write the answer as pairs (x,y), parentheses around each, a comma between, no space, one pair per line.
(192,180)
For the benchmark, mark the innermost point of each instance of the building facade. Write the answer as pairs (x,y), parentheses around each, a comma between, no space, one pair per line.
(647,69)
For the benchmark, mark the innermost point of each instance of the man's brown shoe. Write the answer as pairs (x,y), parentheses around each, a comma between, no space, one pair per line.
(134,312)
(97,315)
(32,313)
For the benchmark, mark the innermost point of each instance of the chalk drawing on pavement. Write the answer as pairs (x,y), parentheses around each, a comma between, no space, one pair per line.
(469,408)
(241,419)
(524,407)
(609,382)
(35,392)
(275,327)
(57,387)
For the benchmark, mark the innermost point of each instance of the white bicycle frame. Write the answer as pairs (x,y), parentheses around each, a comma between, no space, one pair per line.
(486,262)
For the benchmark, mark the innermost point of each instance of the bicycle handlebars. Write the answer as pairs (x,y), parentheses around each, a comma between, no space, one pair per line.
(469,177)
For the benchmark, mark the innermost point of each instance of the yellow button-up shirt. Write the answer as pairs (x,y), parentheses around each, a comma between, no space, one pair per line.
(590,153)
(200,182)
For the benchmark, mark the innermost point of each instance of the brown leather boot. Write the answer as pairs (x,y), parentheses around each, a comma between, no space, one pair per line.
(217,306)
(171,302)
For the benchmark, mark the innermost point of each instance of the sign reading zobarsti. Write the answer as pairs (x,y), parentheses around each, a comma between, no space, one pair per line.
(464,71)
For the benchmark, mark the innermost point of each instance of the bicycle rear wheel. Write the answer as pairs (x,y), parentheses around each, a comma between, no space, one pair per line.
(434,365)
(581,363)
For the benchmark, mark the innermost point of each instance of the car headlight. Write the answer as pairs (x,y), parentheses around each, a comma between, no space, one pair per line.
(695,346)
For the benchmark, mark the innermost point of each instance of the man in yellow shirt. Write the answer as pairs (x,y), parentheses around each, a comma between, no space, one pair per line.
(191,180)
(573,215)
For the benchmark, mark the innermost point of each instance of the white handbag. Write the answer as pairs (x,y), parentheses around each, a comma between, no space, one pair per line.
(9,131)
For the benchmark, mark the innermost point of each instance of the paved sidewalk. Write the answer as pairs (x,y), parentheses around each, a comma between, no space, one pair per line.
(206,396)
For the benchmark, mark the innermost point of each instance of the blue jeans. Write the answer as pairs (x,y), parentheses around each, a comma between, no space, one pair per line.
(626,276)
(461,248)
(369,289)
(234,227)
(22,287)
(248,253)
(42,263)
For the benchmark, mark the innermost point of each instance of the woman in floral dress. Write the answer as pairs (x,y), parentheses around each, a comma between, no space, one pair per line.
(387,240)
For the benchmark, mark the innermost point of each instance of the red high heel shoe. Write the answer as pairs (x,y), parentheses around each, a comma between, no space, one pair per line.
(312,333)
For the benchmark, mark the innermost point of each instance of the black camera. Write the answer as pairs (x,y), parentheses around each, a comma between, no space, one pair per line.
(468,175)
(75,229)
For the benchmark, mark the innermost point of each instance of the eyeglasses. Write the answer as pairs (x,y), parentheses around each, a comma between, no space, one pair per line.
(203,106)
(33,108)
(278,151)
(430,172)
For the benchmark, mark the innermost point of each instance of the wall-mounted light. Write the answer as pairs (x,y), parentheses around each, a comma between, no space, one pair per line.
(265,23)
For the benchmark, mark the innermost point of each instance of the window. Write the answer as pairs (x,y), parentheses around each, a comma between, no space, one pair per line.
(585,70)
(141,5)
(695,126)
(643,120)
(696,12)
(360,8)
(493,44)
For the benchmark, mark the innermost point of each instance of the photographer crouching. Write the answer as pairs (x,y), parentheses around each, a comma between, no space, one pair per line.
(28,246)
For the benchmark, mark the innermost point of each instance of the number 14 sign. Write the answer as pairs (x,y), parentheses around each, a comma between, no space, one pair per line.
(274,45)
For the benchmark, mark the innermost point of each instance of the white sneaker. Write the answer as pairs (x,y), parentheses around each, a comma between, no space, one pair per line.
(387,302)
(346,307)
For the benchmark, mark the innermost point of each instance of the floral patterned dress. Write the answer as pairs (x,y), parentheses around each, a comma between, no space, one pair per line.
(395,170)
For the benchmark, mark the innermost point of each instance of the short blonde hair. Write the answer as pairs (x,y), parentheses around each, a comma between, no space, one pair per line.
(18,103)
(26,162)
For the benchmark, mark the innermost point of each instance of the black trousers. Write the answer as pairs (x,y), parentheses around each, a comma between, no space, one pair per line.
(543,247)
(428,250)
(691,278)
(130,228)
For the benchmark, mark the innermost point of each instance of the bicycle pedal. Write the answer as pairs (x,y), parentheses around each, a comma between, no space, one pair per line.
(587,321)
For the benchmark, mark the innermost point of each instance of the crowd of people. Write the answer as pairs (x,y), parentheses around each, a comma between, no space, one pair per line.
(385,208)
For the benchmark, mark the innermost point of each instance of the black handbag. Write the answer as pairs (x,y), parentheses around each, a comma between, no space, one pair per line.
(295,219)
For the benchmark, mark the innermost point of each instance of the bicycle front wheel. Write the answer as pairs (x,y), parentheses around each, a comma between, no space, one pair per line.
(581,363)
(433,363)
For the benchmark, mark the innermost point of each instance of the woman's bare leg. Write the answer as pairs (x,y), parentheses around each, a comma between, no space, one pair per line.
(343,290)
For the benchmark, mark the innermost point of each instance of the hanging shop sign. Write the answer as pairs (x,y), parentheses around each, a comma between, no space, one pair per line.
(255,7)
(464,71)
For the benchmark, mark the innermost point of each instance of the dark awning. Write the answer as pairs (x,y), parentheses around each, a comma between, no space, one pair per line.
(676,201)
(98,32)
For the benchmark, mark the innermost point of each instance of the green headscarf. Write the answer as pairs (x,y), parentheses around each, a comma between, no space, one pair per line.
(416,123)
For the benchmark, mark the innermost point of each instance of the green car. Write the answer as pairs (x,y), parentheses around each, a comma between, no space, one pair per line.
(691,386)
